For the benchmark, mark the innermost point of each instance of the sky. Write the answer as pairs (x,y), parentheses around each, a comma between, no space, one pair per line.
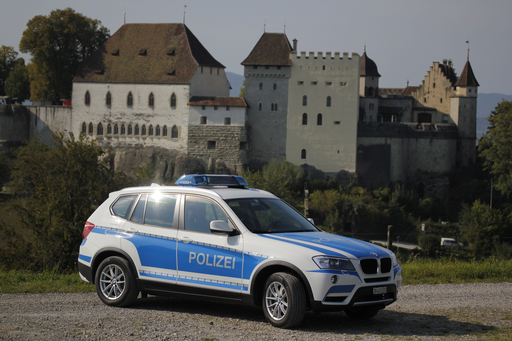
(404,37)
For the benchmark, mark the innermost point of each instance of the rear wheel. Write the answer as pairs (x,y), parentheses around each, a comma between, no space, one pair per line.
(284,300)
(363,313)
(115,282)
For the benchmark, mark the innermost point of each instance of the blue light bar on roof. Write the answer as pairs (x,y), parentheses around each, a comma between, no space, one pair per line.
(194,180)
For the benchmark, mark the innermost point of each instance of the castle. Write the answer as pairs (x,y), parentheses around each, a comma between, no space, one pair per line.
(152,92)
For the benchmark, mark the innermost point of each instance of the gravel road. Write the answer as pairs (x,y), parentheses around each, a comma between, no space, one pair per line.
(422,312)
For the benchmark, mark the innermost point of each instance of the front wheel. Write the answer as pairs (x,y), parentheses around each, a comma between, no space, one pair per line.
(284,300)
(363,313)
(115,282)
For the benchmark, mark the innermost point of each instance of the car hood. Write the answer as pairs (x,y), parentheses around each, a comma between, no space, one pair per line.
(330,244)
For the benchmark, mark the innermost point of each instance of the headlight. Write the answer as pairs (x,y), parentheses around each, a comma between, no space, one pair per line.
(325,262)
(394,260)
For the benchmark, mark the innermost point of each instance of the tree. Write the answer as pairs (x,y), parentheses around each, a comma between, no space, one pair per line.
(58,189)
(7,62)
(4,169)
(496,147)
(58,43)
(242,90)
(18,84)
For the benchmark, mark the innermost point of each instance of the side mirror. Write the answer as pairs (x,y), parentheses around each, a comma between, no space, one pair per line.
(311,221)
(221,227)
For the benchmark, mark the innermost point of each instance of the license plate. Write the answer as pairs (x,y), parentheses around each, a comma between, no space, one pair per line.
(380,290)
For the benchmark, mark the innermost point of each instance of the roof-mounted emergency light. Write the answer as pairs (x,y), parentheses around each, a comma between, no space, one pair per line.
(195,180)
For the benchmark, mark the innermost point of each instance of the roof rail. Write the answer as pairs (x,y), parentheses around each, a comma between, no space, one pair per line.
(196,180)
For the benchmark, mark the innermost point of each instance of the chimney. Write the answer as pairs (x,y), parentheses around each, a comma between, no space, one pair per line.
(295,45)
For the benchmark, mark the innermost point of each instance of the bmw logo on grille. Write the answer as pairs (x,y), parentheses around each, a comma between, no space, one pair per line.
(373,254)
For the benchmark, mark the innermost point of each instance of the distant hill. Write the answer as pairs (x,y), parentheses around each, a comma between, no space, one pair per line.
(484,105)
(236,81)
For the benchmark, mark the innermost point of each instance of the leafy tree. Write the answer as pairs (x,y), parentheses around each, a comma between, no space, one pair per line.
(496,147)
(58,43)
(58,189)
(242,90)
(7,62)
(18,84)
(4,169)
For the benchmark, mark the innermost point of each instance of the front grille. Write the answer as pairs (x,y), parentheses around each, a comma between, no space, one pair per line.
(371,265)
(385,265)
(377,279)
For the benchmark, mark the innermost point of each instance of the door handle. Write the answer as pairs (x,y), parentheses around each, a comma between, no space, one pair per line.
(186,240)
(132,230)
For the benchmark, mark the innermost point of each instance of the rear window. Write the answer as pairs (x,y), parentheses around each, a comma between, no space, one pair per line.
(123,205)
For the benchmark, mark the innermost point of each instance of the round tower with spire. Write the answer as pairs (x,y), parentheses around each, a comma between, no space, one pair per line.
(368,88)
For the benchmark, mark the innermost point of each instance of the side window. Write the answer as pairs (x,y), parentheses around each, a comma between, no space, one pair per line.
(122,206)
(199,212)
(160,210)
(138,213)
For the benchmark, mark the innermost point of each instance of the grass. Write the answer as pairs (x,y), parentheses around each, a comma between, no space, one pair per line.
(419,271)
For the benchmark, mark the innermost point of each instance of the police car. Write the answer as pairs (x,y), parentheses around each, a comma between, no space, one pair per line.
(212,237)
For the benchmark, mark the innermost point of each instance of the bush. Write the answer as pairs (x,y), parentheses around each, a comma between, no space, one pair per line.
(429,243)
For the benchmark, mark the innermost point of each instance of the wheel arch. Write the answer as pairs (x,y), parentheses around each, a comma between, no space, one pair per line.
(103,254)
(261,275)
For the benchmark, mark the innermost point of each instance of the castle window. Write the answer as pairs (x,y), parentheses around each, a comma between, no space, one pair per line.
(99,129)
(469,90)
(304,119)
(328,83)
(227,120)
(215,107)
(123,129)
(164,131)
(328,101)
(173,100)
(129,99)
(343,83)
(90,128)
(440,100)
(109,129)
(267,67)
(143,130)
(314,83)
(434,85)
(84,128)
(323,67)
(87,100)
(108,101)
(203,120)
(319,120)
(279,67)
(304,100)
(227,108)
(300,83)
(151,100)
(255,67)
(424,99)
(303,154)
(130,129)
(261,86)
(259,107)
(203,107)
(136,129)
(116,129)
(370,91)
(337,123)
(150,130)
(212,144)
(274,87)
(157,130)
(174,132)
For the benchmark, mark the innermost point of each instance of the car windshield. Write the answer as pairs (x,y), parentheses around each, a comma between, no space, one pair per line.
(269,216)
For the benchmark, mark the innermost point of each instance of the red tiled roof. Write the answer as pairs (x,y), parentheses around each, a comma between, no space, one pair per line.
(467,78)
(271,49)
(220,101)
(409,90)
(147,53)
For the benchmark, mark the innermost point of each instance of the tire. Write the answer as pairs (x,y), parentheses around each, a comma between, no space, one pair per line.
(284,300)
(363,313)
(115,282)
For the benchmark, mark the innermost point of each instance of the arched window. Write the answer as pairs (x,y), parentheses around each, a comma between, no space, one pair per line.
(328,101)
(261,86)
(143,130)
(174,132)
(108,100)
(319,120)
(123,129)
(87,100)
(100,129)
(84,128)
(151,100)
(173,100)
(157,130)
(109,129)
(116,129)
(259,106)
(164,131)
(130,129)
(136,129)
(90,128)
(129,99)
(150,130)
(303,154)
(304,100)
(274,86)
(304,119)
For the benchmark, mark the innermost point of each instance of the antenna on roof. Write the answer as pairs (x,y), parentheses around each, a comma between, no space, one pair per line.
(285,27)
(467,42)
(125,14)
(184,12)
(264,25)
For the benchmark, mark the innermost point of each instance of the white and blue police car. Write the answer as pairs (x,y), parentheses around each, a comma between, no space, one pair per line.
(212,237)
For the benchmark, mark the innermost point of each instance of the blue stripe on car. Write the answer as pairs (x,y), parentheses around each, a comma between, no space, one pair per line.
(84,258)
